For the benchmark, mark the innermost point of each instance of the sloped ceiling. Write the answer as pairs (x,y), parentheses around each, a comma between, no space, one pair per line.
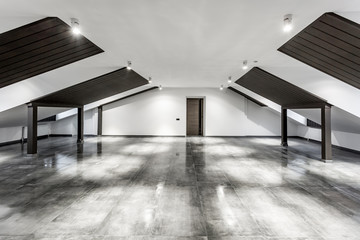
(182,43)
(130,95)
(39,47)
(330,44)
(16,117)
(248,97)
(340,120)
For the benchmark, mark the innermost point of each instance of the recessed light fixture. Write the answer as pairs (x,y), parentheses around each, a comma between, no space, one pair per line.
(287,23)
(150,80)
(128,65)
(221,87)
(245,65)
(229,79)
(160,87)
(75,25)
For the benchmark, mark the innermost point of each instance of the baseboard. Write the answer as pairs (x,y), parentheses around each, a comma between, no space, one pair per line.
(138,136)
(61,135)
(19,141)
(70,135)
(245,136)
(334,146)
(9,143)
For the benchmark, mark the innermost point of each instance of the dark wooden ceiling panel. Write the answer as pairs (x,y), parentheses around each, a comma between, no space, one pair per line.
(95,89)
(248,97)
(330,44)
(278,90)
(39,47)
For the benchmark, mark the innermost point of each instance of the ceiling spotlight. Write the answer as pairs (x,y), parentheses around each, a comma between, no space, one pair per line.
(160,87)
(245,65)
(75,25)
(287,23)
(229,79)
(150,81)
(221,87)
(128,65)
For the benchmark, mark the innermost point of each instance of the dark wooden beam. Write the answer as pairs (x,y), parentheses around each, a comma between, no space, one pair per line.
(56,104)
(99,127)
(32,129)
(284,141)
(326,149)
(80,126)
(306,106)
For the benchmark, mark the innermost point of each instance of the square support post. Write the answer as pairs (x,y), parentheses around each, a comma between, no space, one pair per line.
(32,129)
(80,126)
(99,127)
(326,150)
(284,141)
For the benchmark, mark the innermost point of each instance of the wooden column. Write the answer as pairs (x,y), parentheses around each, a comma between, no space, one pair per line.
(32,129)
(284,141)
(99,129)
(80,126)
(326,150)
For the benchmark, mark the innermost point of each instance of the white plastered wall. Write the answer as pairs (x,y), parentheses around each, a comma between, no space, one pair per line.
(225,114)
(338,138)
(155,113)
(10,134)
(68,125)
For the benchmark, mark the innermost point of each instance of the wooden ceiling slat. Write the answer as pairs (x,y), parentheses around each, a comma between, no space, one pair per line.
(320,67)
(29,48)
(40,47)
(43,58)
(95,89)
(330,44)
(342,23)
(40,63)
(326,61)
(48,66)
(348,58)
(335,41)
(24,55)
(337,33)
(339,48)
(28,29)
(34,38)
(277,89)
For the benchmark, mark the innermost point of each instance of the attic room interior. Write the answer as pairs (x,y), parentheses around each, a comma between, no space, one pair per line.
(164,119)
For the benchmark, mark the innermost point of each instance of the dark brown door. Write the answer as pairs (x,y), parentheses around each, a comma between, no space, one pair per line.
(194,117)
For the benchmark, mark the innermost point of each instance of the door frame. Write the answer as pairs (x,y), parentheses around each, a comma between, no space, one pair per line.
(203,113)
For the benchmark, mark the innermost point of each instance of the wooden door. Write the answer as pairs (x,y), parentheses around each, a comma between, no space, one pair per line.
(194,117)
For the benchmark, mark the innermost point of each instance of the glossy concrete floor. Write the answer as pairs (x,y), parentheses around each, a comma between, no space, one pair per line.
(178,188)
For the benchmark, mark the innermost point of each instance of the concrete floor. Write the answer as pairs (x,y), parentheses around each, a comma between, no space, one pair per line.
(178,188)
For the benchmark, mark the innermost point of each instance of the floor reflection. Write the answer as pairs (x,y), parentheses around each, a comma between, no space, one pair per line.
(178,188)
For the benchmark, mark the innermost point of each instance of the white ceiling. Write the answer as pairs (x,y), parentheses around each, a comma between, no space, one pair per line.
(181,43)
